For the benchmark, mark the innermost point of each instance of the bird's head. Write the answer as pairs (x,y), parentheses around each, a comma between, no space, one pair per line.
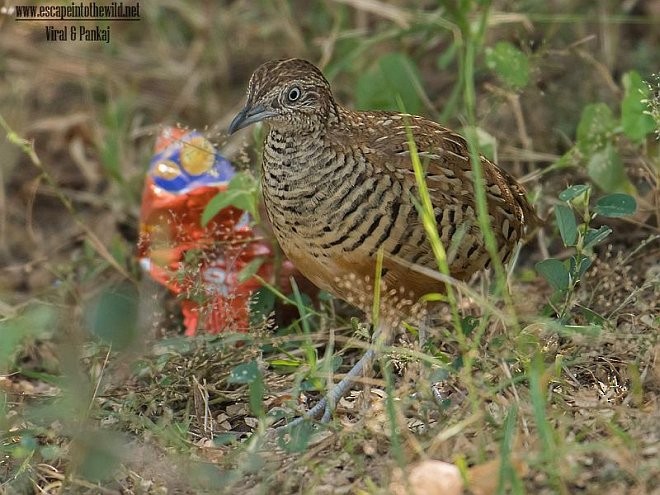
(288,93)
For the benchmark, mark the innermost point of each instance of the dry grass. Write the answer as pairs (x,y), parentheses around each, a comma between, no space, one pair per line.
(551,411)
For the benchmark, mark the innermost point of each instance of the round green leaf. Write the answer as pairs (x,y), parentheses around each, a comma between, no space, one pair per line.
(635,120)
(393,76)
(555,272)
(573,192)
(510,64)
(101,452)
(243,181)
(298,438)
(262,303)
(241,193)
(36,321)
(245,373)
(606,170)
(112,316)
(596,124)
(616,205)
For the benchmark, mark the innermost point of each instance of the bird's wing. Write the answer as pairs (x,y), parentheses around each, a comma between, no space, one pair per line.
(383,140)
(446,159)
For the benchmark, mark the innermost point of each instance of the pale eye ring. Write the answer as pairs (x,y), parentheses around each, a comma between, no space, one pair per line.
(293,94)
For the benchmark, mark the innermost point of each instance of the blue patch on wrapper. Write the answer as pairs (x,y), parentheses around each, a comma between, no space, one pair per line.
(188,163)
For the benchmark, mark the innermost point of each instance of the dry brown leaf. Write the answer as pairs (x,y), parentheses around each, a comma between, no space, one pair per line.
(483,478)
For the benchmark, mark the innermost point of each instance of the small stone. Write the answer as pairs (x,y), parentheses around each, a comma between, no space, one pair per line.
(429,478)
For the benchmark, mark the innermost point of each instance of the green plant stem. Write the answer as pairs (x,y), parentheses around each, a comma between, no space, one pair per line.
(431,227)
(473,43)
(375,310)
(579,251)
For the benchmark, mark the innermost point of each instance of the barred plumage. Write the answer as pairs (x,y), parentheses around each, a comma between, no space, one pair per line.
(338,185)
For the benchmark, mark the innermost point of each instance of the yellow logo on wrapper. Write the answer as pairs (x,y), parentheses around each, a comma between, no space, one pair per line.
(167,169)
(197,156)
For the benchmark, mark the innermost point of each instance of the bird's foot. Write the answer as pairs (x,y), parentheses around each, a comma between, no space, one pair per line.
(325,407)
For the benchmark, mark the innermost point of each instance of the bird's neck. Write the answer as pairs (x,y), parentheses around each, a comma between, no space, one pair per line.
(296,138)
(293,148)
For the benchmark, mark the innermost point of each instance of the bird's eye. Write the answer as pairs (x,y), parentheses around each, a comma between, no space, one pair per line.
(293,94)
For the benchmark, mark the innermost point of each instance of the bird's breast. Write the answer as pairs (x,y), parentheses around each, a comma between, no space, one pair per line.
(328,203)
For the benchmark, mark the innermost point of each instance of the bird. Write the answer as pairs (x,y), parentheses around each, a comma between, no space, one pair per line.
(339,187)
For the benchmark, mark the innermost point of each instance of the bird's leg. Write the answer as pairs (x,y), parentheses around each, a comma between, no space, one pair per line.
(324,408)
(342,388)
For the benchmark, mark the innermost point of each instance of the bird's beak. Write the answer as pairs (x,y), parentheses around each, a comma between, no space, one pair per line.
(249,115)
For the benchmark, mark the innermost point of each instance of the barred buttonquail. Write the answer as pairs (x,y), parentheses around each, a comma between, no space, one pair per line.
(339,185)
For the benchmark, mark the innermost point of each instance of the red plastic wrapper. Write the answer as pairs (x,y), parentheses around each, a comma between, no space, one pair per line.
(201,264)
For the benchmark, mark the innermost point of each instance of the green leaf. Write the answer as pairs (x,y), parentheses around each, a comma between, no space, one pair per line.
(468,324)
(438,375)
(566,224)
(596,236)
(298,438)
(635,122)
(568,159)
(393,75)
(486,143)
(245,373)
(217,203)
(510,64)
(113,315)
(579,264)
(252,462)
(616,205)
(241,193)
(285,363)
(606,170)
(262,303)
(36,321)
(596,125)
(250,269)
(50,452)
(246,187)
(586,330)
(573,192)
(555,272)
(100,452)
(243,181)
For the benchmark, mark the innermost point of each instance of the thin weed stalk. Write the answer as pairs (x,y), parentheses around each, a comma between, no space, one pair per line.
(473,43)
(507,472)
(385,365)
(550,453)
(425,208)
(28,149)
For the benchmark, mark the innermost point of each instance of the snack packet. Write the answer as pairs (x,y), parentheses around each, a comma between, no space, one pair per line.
(201,264)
